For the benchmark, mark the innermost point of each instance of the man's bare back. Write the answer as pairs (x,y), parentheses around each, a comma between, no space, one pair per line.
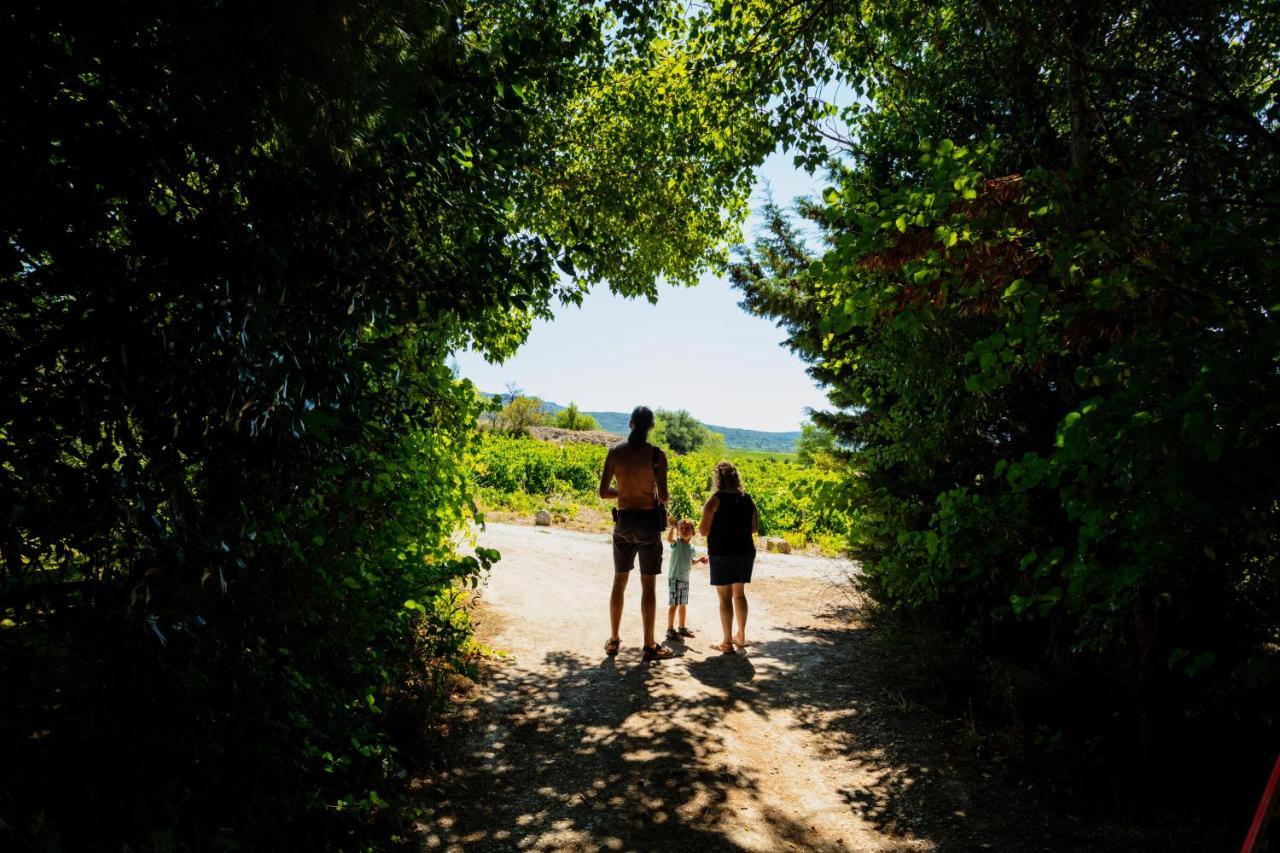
(641,471)
(638,468)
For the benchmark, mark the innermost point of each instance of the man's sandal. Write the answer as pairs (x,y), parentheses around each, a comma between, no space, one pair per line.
(611,646)
(658,652)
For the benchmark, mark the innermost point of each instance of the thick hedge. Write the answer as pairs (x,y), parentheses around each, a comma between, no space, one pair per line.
(1045,308)
(240,241)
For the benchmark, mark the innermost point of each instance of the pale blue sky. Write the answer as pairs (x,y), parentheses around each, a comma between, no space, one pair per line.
(696,349)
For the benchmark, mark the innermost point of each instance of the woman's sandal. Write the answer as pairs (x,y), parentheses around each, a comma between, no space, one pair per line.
(658,652)
(611,647)
(724,648)
(743,643)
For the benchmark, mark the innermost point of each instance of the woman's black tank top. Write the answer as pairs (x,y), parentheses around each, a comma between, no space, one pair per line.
(730,534)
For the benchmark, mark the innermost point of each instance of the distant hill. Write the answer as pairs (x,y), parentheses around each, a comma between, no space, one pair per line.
(740,439)
(755,439)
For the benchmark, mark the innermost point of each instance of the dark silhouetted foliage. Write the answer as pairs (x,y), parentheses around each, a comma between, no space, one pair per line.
(1044,307)
(240,241)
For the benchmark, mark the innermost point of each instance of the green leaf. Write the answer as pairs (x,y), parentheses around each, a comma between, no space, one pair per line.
(1200,663)
(1015,287)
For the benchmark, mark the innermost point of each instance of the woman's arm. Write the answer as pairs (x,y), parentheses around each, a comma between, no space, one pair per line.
(708,512)
(755,519)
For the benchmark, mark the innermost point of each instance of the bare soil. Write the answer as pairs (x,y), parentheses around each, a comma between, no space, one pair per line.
(569,436)
(805,742)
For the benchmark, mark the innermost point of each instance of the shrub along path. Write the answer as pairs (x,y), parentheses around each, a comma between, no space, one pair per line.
(805,742)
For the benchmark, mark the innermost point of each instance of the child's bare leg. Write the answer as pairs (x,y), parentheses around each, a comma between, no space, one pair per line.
(671,617)
(683,611)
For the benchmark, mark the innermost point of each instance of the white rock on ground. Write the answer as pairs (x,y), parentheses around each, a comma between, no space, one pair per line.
(775,545)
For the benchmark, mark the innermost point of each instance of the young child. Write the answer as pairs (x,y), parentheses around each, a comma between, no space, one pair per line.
(682,559)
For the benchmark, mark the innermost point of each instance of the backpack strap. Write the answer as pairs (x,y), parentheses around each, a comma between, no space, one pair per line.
(659,509)
(653,460)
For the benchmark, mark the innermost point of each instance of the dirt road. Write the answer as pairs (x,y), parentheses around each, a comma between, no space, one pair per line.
(795,745)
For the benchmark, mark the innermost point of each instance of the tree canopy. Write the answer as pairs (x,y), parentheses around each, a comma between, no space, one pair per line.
(520,414)
(570,418)
(1046,342)
(680,431)
(240,243)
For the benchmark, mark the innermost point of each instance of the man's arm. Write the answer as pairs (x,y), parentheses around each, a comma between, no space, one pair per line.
(607,491)
(660,475)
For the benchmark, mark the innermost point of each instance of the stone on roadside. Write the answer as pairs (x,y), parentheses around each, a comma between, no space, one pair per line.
(542,518)
(774,545)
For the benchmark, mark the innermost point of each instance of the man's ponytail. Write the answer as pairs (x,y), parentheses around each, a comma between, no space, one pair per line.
(641,424)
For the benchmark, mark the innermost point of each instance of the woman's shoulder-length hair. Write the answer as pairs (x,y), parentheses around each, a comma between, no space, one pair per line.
(725,478)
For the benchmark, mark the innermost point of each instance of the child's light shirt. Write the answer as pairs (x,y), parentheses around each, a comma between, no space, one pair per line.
(682,555)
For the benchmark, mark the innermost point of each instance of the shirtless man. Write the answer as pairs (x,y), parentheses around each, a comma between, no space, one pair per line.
(641,473)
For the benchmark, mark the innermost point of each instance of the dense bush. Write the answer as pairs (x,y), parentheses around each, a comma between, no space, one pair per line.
(792,499)
(679,431)
(240,241)
(232,460)
(570,418)
(520,414)
(1046,311)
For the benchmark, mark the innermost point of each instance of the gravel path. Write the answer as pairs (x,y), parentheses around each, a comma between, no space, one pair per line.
(807,742)
(572,750)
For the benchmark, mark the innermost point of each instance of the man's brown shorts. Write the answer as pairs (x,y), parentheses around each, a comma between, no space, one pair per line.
(634,534)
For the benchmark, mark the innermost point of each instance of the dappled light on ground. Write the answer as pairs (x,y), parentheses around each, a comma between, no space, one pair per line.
(571,749)
(802,743)
(579,752)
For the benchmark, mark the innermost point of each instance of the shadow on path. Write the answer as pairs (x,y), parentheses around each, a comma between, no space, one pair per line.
(572,753)
(582,754)
(812,741)
(575,753)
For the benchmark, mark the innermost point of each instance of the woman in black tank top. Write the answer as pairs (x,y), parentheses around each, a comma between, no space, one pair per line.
(730,521)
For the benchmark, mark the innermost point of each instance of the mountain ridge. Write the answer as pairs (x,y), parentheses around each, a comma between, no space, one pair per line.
(734,437)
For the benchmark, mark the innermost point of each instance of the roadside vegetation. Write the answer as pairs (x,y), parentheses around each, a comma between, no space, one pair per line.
(521,475)
(240,244)
(1043,299)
